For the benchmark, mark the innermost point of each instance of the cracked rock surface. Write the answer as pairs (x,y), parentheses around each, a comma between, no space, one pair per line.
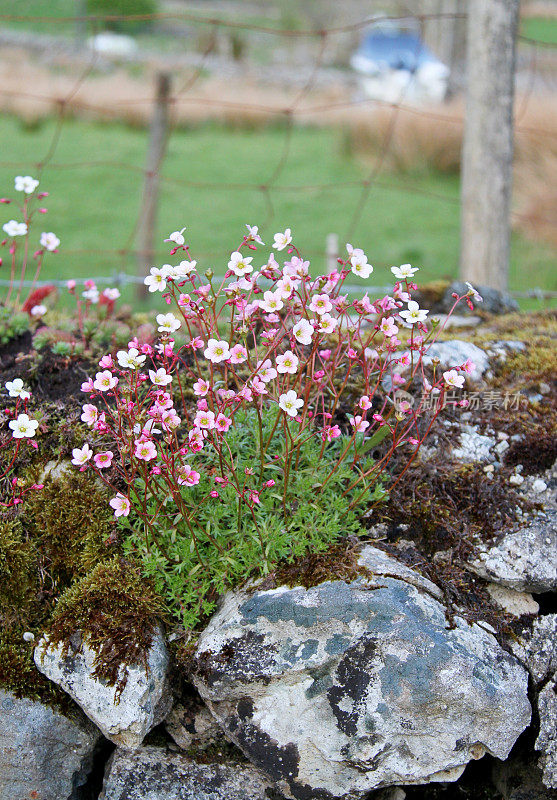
(347,687)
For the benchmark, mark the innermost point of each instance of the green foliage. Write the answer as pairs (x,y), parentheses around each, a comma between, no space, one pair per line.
(12,325)
(304,514)
(123,8)
(62,348)
(116,611)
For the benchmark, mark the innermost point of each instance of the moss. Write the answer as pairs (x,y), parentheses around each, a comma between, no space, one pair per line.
(337,563)
(71,524)
(17,561)
(116,610)
(19,675)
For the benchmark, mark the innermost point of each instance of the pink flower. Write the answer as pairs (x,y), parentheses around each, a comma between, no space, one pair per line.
(105,381)
(106,362)
(214,494)
(187,476)
(359,424)
(333,432)
(217,350)
(258,386)
(245,394)
(269,484)
(87,386)
(287,363)
(70,285)
(121,505)
(201,387)
(238,354)
(104,460)
(351,353)
(195,439)
(204,420)
(90,414)
(196,343)
(468,366)
(170,420)
(388,327)
(325,354)
(223,423)
(320,304)
(266,371)
(364,402)
(398,380)
(145,450)
(254,497)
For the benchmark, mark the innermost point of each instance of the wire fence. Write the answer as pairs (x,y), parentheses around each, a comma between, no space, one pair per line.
(312,98)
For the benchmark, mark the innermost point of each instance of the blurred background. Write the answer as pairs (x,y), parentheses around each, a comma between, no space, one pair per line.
(342,120)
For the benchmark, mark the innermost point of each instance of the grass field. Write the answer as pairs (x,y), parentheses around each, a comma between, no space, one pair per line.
(94,199)
(540,29)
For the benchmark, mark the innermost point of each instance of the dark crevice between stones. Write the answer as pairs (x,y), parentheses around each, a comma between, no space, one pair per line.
(547,602)
(89,786)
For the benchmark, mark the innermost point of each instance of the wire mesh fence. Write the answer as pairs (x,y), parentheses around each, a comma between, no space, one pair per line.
(70,86)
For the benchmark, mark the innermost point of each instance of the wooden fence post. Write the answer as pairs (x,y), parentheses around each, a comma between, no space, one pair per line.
(158,137)
(487,155)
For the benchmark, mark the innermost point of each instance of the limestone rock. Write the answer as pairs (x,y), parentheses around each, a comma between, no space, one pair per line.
(525,559)
(519,779)
(455,352)
(344,688)
(493,301)
(43,754)
(537,648)
(516,603)
(189,724)
(151,773)
(546,742)
(474,447)
(144,702)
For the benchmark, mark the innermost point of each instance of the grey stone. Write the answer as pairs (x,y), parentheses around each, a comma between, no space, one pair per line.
(474,447)
(126,719)
(43,754)
(455,352)
(493,301)
(344,688)
(546,742)
(525,559)
(381,563)
(152,773)
(537,648)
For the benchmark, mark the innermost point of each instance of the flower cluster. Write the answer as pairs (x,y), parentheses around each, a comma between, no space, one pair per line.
(267,336)
(22,428)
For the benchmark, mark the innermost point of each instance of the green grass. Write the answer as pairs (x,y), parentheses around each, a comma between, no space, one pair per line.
(540,29)
(93,206)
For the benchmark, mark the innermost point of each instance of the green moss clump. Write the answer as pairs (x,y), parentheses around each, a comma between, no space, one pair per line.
(116,610)
(17,560)
(71,523)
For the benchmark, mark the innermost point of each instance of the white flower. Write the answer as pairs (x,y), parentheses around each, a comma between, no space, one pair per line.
(177,237)
(282,240)
(156,280)
(25,183)
(38,311)
(286,286)
(92,295)
(240,264)
(14,228)
(303,331)
(359,265)
(271,302)
(414,314)
(160,377)
(452,378)
(168,323)
(253,234)
(290,402)
(81,456)
(130,359)
(183,269)
(15,389)
(320,304)
(217,351)
(327,324)
(475,295)
(49,241)
(23,427)
(404,271)
(111,294)
(105,381)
